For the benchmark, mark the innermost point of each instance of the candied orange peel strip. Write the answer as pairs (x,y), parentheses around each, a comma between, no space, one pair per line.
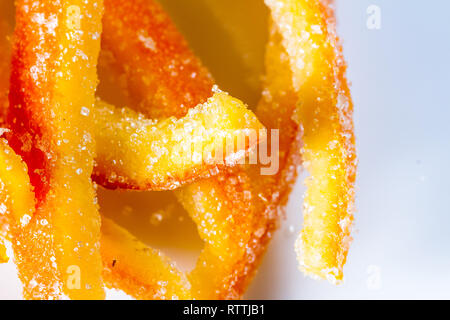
(225,222)
(242,216)
(138,270)
(53,80)
(237,210)
(137,153)
(228,115)
(163,76)
(17,201)
(325,113)
(146,78)
(16,192)
(3,256)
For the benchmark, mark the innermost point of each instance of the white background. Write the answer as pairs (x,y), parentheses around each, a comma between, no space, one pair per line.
(400,79)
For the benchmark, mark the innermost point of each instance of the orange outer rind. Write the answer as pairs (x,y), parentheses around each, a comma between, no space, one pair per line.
(325,113)
(137,153)
(53,82)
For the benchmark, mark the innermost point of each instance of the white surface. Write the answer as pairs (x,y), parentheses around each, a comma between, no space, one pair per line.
(400,78)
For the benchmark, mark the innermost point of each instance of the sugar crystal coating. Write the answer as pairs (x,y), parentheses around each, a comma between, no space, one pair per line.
(54,76)
(325,112)
(238,210)
(138,153)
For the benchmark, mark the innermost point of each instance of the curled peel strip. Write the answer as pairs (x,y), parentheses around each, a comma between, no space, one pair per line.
(325,112)
(53,78)
(238,209)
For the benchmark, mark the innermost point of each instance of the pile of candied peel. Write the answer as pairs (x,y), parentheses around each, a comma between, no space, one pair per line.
(61,139)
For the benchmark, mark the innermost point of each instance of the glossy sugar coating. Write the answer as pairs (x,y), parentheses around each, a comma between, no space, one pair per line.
(53,80)
(138,153)
(325,113)
(163,76)
(137,269)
